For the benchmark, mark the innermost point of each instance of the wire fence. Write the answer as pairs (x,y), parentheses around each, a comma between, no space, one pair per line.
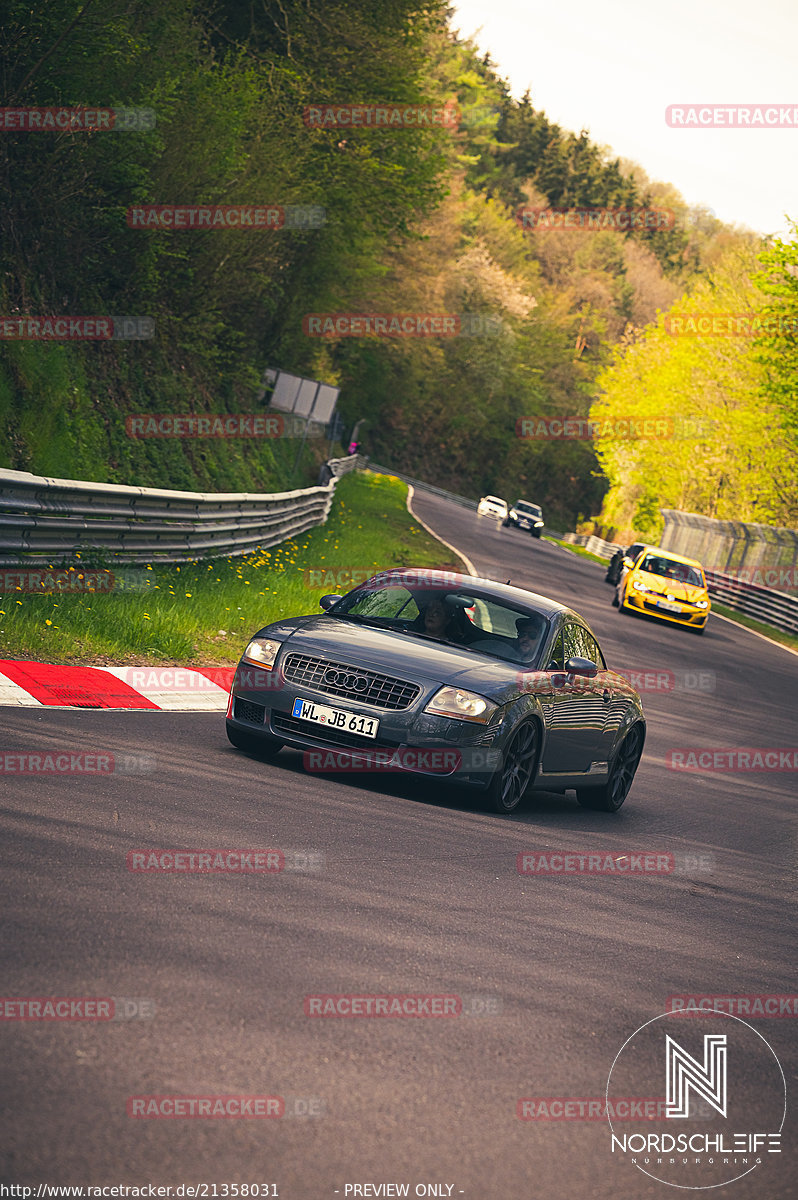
(764,555)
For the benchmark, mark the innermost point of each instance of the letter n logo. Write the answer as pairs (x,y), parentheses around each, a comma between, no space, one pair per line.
(684,1072)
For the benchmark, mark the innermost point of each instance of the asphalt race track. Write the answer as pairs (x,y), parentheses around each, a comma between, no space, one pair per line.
(392,888)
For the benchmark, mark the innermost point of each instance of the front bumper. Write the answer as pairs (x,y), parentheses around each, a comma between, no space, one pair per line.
(646,602)
(408,741)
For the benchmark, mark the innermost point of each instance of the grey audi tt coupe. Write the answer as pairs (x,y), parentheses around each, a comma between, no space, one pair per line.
(483,684)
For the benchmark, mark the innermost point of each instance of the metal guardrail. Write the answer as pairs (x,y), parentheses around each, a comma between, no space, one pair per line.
(593,545)
(764,604)
(47,521)
(425,487)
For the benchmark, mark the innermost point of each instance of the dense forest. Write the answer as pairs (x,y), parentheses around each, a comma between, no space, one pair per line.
(427,215)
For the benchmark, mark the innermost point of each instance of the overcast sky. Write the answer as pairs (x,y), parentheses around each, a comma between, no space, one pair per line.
(614,66)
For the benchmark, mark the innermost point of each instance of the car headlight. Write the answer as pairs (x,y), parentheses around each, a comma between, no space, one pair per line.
(466,706)
(513,513)
(262,651)
(538,524)
(638,586)
(701,603)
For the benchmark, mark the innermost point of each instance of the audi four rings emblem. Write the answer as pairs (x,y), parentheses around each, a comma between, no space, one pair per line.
(345,679)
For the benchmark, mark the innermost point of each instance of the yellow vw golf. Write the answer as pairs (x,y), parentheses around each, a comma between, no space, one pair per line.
(665,585)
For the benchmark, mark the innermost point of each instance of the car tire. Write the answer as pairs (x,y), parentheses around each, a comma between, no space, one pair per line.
(511,780)
(700,631)
(505,523)
(615,599)
(254,743)
(611,795)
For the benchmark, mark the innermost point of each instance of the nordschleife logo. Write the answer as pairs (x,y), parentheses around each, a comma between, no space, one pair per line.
(725,1100)
(684,1073)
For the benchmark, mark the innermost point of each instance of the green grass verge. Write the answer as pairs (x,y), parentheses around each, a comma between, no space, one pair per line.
(204,612)
(580,550)
(775,635)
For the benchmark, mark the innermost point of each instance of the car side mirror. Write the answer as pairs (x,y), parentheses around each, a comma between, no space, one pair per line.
(581,666)
(329,600)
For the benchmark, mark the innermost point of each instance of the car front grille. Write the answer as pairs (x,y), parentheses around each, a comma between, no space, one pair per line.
(283,723)
(354,683)
(245,710)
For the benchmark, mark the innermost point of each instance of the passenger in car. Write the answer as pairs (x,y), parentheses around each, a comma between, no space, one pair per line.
(529,636)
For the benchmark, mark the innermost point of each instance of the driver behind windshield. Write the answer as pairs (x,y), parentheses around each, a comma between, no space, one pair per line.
(440,621)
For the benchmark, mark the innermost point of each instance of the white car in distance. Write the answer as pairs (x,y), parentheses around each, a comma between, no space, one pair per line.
(492,506)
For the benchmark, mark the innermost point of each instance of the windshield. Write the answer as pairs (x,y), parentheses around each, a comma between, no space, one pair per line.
(668,568)
(533,509)
(453,615)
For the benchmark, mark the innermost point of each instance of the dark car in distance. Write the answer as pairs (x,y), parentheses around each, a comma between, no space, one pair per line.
(478,683)
(525,515)
(623,558)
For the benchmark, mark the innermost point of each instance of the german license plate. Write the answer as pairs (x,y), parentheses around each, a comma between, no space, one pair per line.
(676,608)
(335,718)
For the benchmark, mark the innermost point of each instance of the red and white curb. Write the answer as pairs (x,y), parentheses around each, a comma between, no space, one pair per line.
(186,689)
